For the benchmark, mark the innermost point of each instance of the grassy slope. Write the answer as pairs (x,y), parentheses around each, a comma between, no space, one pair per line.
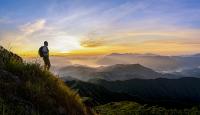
(28,89)
(132,108)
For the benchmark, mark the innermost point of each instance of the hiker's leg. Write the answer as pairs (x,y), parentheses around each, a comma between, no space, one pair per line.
(45,63)
(48,63)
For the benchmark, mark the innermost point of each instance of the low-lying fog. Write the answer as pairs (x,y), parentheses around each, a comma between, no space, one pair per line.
(161,64)
(58,62)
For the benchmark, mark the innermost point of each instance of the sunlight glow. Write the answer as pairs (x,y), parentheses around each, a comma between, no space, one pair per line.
(101,27)
(64,44)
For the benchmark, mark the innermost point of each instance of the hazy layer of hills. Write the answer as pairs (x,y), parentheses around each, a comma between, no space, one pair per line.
(116,82)
(113,72)
(193,72)
(155,62)
(159,63)
(130,66)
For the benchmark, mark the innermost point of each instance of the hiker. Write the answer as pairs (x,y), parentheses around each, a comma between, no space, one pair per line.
(44,52)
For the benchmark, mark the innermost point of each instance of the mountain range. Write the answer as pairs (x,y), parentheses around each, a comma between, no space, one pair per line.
(182,91)
(170,93)
(193,72)
(95,95)
(112,73)
(153,61)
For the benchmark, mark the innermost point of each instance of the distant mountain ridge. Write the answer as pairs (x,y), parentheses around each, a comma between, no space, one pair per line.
(193,72)
(112,73)
(132,54)
(153,61)
(126,71)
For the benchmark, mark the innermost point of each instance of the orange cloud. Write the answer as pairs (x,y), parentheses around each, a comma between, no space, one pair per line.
(163,46)
(92,43)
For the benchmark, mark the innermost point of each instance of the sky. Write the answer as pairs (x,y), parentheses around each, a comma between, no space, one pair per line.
(96,27)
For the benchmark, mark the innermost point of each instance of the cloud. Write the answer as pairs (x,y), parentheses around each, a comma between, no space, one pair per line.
(132,38)
(92,43)
(30,28)
(124,24)
(23,35)
(92,40)
(4,21)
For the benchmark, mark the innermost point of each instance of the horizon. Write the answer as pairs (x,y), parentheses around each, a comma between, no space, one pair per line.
(100,55)
(93,28)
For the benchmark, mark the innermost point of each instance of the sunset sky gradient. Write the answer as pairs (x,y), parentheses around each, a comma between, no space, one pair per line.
(91,27)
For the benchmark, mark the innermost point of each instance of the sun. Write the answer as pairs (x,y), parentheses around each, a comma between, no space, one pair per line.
(64,44)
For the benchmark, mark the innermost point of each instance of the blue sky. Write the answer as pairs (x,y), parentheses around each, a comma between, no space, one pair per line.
(96,25)
(28,10)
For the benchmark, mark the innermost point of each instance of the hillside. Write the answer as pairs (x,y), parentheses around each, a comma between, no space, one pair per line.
(29,90)
(183,92)
(96,94)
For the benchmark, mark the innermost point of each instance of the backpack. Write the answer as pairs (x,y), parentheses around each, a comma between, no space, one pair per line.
(40,52)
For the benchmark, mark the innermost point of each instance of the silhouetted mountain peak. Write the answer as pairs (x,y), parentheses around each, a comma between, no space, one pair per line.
(196,55)
(126,67)
(132,54)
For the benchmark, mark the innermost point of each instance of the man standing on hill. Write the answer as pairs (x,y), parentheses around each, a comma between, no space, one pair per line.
(44,52)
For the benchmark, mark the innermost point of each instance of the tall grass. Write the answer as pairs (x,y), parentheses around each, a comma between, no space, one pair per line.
(133,108)
(46,92)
